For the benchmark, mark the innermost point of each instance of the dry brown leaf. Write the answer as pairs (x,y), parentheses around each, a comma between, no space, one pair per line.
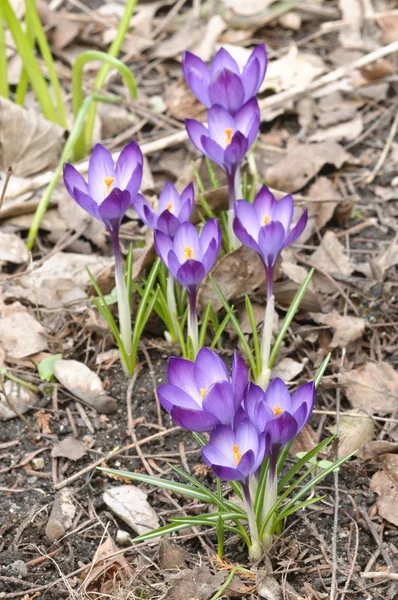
(21,398)
(375,450)
(206,47)
(320,213)
(330,256)
(109,570)
(287,369)
(84,384)
(13,249)
(130,504)
(295,68)
(237,273)
(373,387)
(171,556)
(28,142)
(356,430)
(341,132)
(304,441)
(70,448)
(21,335)
(285,291)
(43,422)
(303,162)
(385,484)
(196,584)
(347,329)
(389,27)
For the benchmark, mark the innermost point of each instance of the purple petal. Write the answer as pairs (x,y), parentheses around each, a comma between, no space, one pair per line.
(297,230)
(181,374)
(187,200)
(100,167)
(196,131)
(223,60)
(219,401)
(223,438)
(277,395)
(246,463)
(248,216)
(144,211)
(240,378)
(87,203)
(73,179)
(163,246)
(253,131)
(213,151)
(113,208)
(210,256)
(305,394)
(227,90)
(208,369)
(190,275)
(168,223)
(301,415)
(129,158)
(283,212)
(246,116)
(254,71)
(227,473)
(169,199)
(220,120)
(282,430)
(243,236)
(173,263)
(212,456)
(270,240)
(171,395)
(186,237)
(236,150)
(193,420)
(134,183)
(197,76)
(264,204)
(247,437)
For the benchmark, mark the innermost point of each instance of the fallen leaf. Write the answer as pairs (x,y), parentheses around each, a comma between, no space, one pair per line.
(347,329)
(109,571)
(70,448)
(43,422)
(248,7)
(385,485)
(342,132)
(295,68)
(287,369)
(13,249)
(389,27)
(171,556)
(214,28)
(195,584)
(130,504)
(28,142)
(356,430)
(285,291)
(21,335)
(374,450)
(84,384)
(20,397)
(350,34)
(330,256)
(239,272)
(320,212)
(304,441)
(373,387)
(386,260)
(303,162)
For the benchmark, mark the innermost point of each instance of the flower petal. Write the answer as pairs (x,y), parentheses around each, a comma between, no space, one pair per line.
(208,369)
(270,240)
(144,211)
(244,237)
(171,395)
(226,89)
(283,212)
(251,78)
(219,401)
(193,420)
(100,167)
(190,275)
(223,60)
(213,151)
(197,76)
(129,158)
(163,246)
(236,150)
(246,116)
(278,395)
(186,237)
(181,374)
(220,120)
(87,203)
(114,207)
(240,378)
(187,200)
(73,179)
(264,204)
(196,131)
(297,230)
(169,199)
(168,223)
(282,430)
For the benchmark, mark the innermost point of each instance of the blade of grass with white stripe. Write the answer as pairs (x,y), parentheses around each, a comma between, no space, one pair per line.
(4,88)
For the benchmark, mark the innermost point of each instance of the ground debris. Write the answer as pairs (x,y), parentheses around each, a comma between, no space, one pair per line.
(62,514)
(130,504)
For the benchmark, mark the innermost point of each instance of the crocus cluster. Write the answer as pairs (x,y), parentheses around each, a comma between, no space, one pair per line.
(233,119)
(246,423)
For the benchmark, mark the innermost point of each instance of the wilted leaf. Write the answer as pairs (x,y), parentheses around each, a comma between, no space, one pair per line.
(70,448)
(295,68)
(385,484)
(21,335)
(287,369)
(130,504)
(196,584)
(12,249)
(20,397)
(347,329)
(303,162)
(84,384)
(171,556)
(373,387)
(374,450)
(28,142)
(331,257)
(356,430)
(110,569)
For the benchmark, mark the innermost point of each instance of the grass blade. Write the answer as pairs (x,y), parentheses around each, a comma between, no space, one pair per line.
(321,370)
(256,343)
(4,88)
(303,461)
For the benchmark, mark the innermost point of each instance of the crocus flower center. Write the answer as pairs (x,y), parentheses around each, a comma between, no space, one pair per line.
(169,206)
(202,392)
(266,220)
(228,135)
(108,185)
(237,454)
(188,253)
(277,410)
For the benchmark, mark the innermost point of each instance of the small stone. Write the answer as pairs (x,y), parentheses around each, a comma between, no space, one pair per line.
(62,514)
(21,398)
(38,463)
(123,538)
(18,569)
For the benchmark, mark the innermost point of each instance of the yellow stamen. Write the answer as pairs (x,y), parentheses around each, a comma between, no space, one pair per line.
(237,454)
(228,135)
(266,220)
(277,410)
(202,392)
(108,185)
(188,253)
(169,206)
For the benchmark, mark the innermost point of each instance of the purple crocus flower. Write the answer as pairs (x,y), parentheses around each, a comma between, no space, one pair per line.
(111,188)
(227,138)
(190,256)
(223,83)
(173,209)
(200,395)
(264,226)
(236,454)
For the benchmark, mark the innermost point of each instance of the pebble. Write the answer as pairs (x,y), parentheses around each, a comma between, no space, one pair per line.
(62,514)
(18,569)
(123,538)
(38,464)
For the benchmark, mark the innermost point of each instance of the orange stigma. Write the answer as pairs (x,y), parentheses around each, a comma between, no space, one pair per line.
(188,253)
(277,410)
(228,135)
(202,392)
(108,185)
(169,206)
(237,454)
(266,220)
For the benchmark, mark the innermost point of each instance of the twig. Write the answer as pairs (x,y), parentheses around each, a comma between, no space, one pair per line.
(7,179)
(385,151)
(378,541)
(380,575)
(84,417)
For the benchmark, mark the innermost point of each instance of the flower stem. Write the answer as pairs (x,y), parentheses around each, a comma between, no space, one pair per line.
(264,376)
(122,299)
(232,176)
(271,493)
(255,550)
(193,323)
(171,305)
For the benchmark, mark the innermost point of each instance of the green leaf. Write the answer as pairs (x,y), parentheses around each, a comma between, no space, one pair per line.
(256,343)
(307,457)
(289,317)
(161,531)
(46,367)
(221,327)
(212,174)
(284,514)
(321,370)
